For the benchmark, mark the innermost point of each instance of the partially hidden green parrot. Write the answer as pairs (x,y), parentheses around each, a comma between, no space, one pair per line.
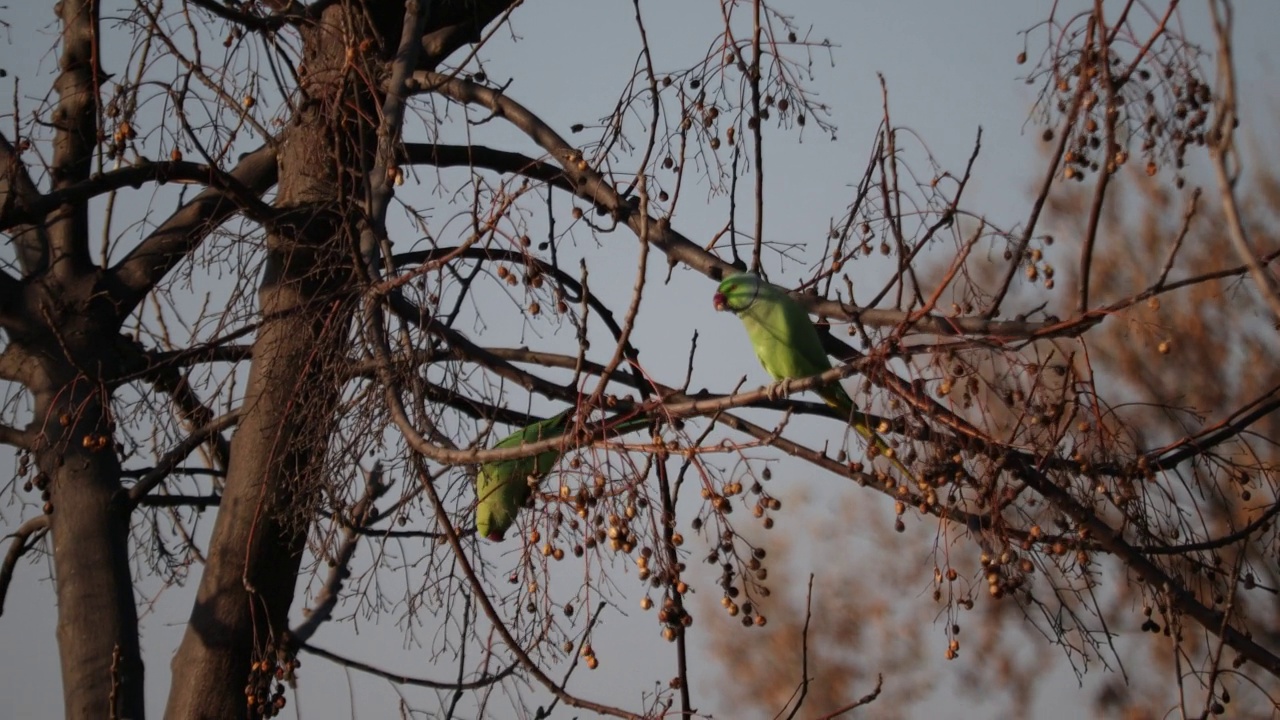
(503,487)
(788,345)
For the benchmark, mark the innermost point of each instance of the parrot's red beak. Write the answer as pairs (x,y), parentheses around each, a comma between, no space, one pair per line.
(720,301)
(494,536)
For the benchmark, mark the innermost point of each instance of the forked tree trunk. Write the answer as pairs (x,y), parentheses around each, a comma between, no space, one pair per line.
(61,350)
(67,332)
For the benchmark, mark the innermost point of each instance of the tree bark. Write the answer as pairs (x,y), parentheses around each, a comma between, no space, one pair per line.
(102,672)
(306,300)
(64,351)
(278,451)
(242,605)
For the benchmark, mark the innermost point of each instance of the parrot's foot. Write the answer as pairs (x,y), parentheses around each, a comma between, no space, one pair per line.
(779,390)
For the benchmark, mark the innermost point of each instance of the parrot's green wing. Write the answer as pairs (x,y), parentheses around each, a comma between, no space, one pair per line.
(502,488)
(788,345)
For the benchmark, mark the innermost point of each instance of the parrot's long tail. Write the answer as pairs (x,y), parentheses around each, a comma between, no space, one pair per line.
(837,398)
(629,425)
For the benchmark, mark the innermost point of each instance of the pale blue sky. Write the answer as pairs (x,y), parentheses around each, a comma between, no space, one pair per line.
(950,69)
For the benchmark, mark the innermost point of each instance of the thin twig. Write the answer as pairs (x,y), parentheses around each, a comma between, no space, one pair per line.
(864,700)
(804,651)
(340,565)
(399,679)
(1222,146)
(148,482)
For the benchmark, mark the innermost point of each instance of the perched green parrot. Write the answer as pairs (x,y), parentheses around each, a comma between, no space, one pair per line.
(788,345)
(503,487)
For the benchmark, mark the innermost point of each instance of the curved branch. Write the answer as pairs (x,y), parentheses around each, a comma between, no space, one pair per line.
(690,407)
(156,475)
(18,193)
(405,679)
(340,570)
(186,228)
(23,539)
(576,289)
(35,210)
(587,183)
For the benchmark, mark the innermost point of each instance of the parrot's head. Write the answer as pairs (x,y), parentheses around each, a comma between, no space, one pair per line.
(487,529)
(489,525)
(737,292)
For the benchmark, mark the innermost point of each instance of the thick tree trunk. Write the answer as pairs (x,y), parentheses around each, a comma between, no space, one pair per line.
(278,450)
(102,674)
(242,605)
(306,298)
(64,352)
(70,329)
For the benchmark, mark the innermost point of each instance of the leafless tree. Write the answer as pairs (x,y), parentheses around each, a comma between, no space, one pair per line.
(1162,408)
(345,405)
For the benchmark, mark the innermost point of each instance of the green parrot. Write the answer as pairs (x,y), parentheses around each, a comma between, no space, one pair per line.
(788,345)
(503,487)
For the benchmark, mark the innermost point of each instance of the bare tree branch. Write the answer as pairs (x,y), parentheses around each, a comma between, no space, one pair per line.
(409,680)
(1222,147)
(17,194)
(157,475)
(186,228)
(27,535)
